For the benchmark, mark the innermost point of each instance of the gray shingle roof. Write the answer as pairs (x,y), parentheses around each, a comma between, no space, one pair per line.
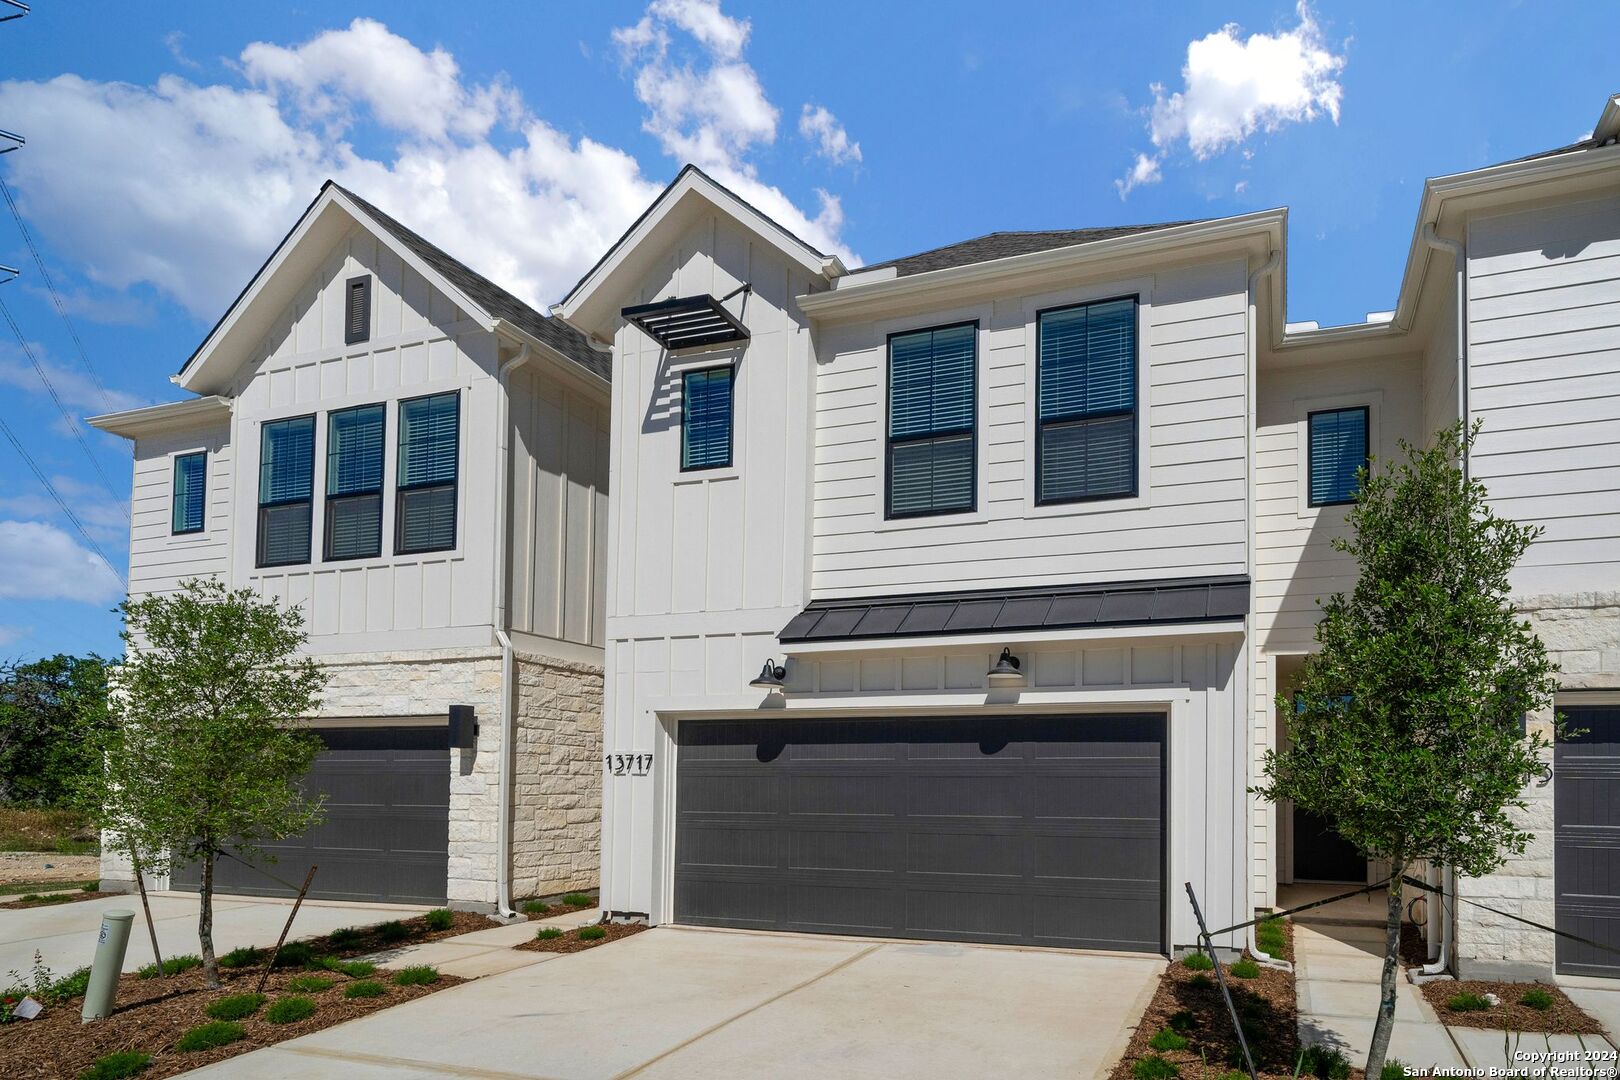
(491,297)
(1001,245)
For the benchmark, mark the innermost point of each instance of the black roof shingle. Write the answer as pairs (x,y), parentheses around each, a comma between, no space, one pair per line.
(1002,245)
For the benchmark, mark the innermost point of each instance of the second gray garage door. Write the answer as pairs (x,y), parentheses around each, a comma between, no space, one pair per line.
(1586,851)
(1039,831)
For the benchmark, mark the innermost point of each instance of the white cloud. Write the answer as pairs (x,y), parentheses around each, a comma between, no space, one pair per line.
(175,42)
(44,563)
(832,141)
(76,389)
(104,518)
(1233,87)
(1145,171)
(8,634)
(187,187)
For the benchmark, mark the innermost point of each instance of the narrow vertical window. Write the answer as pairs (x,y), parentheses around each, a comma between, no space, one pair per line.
(1085,440)
(706,418)
(429,444)
(357,311)
(286,489)
(190,492)
(1338,450)
(932,395)
(354,482)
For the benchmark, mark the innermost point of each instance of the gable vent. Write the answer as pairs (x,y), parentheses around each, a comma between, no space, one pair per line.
(357,317)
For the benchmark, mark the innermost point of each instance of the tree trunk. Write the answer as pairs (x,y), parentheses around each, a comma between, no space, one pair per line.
(1384,1026)
(205,922)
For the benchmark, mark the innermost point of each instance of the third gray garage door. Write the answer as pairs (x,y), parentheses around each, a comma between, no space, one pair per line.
(1038,831)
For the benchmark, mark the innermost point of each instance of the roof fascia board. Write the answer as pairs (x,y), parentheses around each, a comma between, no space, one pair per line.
(558,363)
(173,414)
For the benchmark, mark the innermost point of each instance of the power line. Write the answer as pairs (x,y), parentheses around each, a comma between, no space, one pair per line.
(61,502)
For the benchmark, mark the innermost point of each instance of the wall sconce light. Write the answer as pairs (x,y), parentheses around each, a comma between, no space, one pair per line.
(770,677)
(1006,672)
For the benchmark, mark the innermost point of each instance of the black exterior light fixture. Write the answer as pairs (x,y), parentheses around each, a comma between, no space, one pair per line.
(1006,672)
(463,727)
(770,677)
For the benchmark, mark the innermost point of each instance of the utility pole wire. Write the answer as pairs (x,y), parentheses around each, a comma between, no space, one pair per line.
(72,421)
(66,509)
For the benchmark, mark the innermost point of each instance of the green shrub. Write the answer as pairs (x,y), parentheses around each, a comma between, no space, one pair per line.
(1154,1067)
(343,937)
(354,969)
(1200,981)
(72,985)
(210,1035)
(1245,969)
(439,919)
(547,933)
(290,1010)
(1536,998)
(1182,1021)
(364,989)
(294,954)
(117,1066)
(234,1006)
(1168,1040)
(95,886)
(310,984)
(174,965)
(1233,1074)
(1197,961)
(392,931)
(579,899)
(592,933)
(1393,1070)
(420,975)
(240,958)
(535,907)
(1467,1002)
(1269,936)
(1325,1063)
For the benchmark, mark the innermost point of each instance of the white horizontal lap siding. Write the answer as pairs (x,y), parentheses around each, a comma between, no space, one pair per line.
(1188,519)
(1544,378)
(420,343)
(158,559)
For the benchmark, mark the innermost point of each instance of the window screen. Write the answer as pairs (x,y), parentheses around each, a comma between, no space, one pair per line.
(354,481)
(190,492)
(1085,444)
(357,316)
(429,445)
(706,401)
(931,402)
(286,485)
(1338,448)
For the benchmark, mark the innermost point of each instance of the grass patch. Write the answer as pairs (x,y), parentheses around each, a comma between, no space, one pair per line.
(15,889)
(1467,1002)
(1270,937)
(241,957)
(592,933)
(1197,961)
(547,933)
(1154,1067)
(1182,1021)
(439,919)
(1393,1070)
(1200,981)
(117,1066)
(215,1033)
(174,965)
(234,1007)
(1168,1040)
(535,907)
(579,899)
(365,989)
(43,899)
(311,984)
(1245,969)
(1536,998)
(1324,1062)
(354,969)
(290,1010)
(392,931)
(343,937)
(294,954)
(419,975)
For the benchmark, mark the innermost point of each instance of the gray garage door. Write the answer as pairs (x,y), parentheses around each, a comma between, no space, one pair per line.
(385,835)
(1586,855)
(1041,831)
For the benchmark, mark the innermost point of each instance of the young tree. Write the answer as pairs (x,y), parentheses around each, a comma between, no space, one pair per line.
(203,757)
(1407,732)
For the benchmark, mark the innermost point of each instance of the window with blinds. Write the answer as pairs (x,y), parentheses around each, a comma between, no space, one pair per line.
(429,448)
(354,482)
(1085,440)
(706,401)
(1338,450)
(932,394)
(357,310)
(286,488)
(190,492)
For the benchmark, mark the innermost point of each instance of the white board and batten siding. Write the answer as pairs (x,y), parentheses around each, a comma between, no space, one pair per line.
(158,559)
(1544,377)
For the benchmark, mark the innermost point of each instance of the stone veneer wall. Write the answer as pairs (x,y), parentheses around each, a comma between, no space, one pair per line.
(557,801)
(1582,635)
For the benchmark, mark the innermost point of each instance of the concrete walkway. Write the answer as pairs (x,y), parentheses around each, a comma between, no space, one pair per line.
(684,1004)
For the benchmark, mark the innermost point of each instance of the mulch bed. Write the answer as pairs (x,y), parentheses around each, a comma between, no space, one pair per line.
(52,899)
(571,942)
(553,910)
(1266,1005)
(371,940)
(1562,1017)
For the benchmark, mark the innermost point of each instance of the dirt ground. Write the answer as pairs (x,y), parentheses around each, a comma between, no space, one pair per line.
(29,867)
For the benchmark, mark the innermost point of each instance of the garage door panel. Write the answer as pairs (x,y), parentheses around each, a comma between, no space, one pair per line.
(1084,796)
(1097,858)
(864,850)
(710,792)
(1586,850)
(995,795)
(841,793)
(980,854)
(1068,922)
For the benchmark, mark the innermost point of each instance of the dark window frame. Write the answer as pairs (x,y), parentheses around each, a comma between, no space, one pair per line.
(889,440)
(1310,452)
(331,500)
(401,488)
(352,335)
(1134,412)
(308,501)
(174,492)
(731,417)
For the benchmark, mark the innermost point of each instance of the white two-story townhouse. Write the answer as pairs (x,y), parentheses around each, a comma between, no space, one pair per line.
(417,460)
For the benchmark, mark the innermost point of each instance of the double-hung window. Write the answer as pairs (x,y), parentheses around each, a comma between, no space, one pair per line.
(1085,441)
(932,396)
(1337,440)
(429,446)
(286,487)
(190,492)
(706,401)
(354,482)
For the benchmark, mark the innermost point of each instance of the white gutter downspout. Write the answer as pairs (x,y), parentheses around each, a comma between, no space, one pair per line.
(1260,272)
(503,826)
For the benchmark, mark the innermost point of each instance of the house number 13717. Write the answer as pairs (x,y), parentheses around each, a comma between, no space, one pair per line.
(629,764)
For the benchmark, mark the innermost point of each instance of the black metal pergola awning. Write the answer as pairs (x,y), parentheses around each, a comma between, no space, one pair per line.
(689,322)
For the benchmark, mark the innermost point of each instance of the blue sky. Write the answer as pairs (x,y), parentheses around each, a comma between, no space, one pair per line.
(170,147)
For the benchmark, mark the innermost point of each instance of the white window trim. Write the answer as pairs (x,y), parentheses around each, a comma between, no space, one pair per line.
(1373,401)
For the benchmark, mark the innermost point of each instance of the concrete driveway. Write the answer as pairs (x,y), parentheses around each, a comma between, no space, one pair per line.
(687,1003)
(65,934)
